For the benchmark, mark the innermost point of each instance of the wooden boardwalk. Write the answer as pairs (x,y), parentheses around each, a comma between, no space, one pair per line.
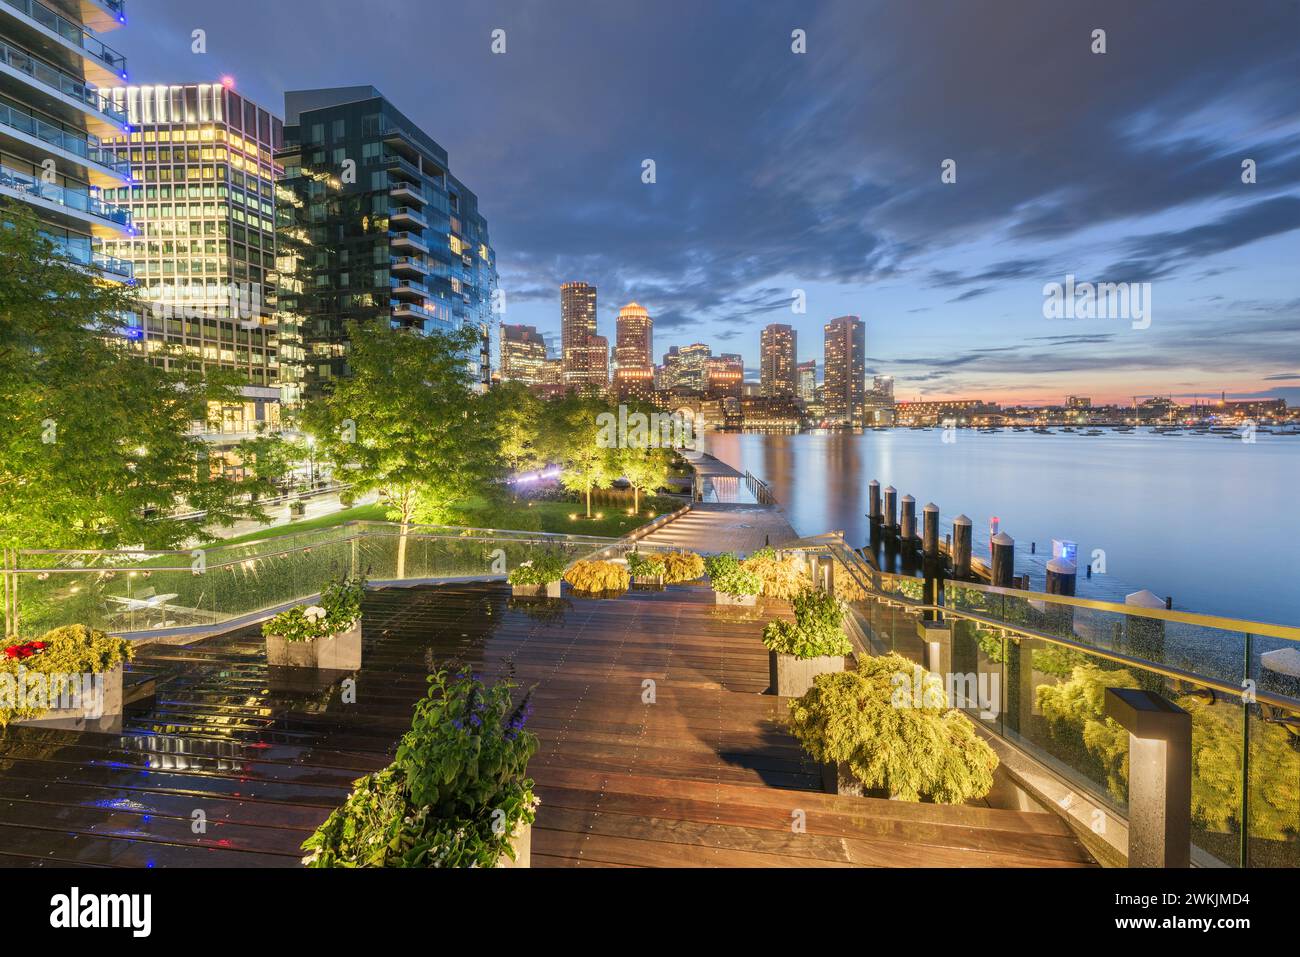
(706,775)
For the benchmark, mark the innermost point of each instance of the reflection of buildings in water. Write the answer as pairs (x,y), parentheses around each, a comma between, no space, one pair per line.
(174,752)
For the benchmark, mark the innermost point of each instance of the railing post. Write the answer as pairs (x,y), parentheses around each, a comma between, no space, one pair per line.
(1160,777)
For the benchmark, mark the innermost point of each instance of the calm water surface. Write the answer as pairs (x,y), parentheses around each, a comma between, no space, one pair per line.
(1209,520)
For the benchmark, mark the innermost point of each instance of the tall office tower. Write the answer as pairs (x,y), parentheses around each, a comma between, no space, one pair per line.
(846,371)
(806,373)
(777,360)
(54,115)
(372,226)
(724,376)
(634,370)
(523,353)
(203,207)
(577,321)
(587,368)
(688,367)
(883,386)
(550,382)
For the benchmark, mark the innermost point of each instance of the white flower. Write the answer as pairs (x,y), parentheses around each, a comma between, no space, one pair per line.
(314,613)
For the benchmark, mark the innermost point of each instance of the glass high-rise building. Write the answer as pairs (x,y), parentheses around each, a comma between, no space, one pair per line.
(577,326)
(54,117)
(777,360)
(806,373)
(634,369)
(203,205)
(845,377)
(372,226)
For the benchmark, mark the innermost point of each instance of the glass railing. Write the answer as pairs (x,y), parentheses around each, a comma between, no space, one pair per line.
(57,79)
(74,33)
(64,196)
(85,147)
(1044,662)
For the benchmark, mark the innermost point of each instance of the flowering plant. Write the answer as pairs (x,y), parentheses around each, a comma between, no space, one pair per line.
(541,570)
(456,795)
(25,650)
(70,650)
(339,610)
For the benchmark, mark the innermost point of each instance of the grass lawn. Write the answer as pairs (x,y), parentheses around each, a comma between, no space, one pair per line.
(531,516)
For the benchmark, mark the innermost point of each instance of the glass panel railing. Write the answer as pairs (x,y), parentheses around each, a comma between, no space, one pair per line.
(71,32)
(64,196)
(57,79)
(78,144)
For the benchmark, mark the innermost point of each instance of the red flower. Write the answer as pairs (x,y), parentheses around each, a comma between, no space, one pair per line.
(25,650)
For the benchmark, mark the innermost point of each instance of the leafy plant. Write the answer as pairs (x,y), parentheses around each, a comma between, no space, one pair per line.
(729,577)
(682,567)
(456,795)
(598,577)
(541,570)
(642,566)
(69,651)
(817,629)
(913,751)
(339,609)
(782,578)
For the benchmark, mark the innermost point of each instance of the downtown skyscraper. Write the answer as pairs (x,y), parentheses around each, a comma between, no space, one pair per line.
(845,375)
(634,368)
(584,354)
(777,360)
(372,227)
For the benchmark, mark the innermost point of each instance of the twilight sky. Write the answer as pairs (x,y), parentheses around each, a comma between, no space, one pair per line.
(820,171)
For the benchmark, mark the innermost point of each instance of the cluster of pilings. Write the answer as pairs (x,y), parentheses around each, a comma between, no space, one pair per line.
(896,544)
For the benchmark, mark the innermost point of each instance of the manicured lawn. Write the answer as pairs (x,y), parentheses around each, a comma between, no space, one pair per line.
(361,513)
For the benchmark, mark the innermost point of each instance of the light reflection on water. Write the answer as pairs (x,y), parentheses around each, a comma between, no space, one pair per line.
(1209,520)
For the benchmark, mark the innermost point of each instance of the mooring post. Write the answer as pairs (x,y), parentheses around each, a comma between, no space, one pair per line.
(1003,560)
(962,530)
(1160,776)
(1061,576)
(907,524)
(932,560)
(891,510)
(873,502)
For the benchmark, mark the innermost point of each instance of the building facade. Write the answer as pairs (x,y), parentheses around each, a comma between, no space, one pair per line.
(845,377)
(724,376)
(634,370)
(523,354)
(577,325)
(777,361)
(806,378)
(372,227)
(55,114)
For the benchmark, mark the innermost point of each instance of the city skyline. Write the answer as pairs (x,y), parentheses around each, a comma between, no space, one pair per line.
(948,277)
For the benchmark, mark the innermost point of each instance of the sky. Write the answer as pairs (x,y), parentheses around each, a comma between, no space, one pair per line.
(778,171)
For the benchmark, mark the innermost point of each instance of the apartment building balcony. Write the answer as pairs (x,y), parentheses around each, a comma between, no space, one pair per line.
(35,140)
(410,290)
(102,15)
(410,312)
(408,267)
(406,192)
(28,78)
(68,207)
(409,242)
(44,29)
(407,217)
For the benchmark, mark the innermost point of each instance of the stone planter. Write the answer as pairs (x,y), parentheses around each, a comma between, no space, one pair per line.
(549,590)
(100,713)
(648,581)
(523,845)
(338,652)
(838,779)
(791,677)
(744,601)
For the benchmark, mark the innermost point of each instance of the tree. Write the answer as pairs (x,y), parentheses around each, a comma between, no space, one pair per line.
(515,414)
(645,469)
(406,425)
(569,434)
(269,457)
(98,446)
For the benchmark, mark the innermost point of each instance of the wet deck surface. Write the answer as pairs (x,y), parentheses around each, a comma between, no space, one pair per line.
(705,775)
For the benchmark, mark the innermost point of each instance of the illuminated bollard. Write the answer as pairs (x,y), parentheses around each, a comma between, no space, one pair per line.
(1160,777)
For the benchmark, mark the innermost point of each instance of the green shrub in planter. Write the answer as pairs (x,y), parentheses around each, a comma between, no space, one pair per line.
(62,653)
(817,629)
(729,577)
(642,566)
(892,736)
(339,609)
(541,570)
(456,795)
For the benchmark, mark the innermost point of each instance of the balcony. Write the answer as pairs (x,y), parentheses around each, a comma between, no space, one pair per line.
(407,217)
(79,211)
(410,290)
(409,312)
(409,266)
(407,192)
(60,92)
(409,242)
(104,66)
(102,15)
(35,140)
